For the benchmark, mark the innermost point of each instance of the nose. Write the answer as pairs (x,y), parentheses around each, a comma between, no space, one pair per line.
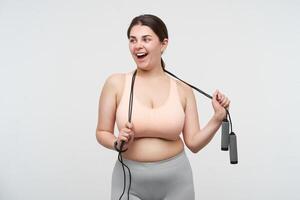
(138,45)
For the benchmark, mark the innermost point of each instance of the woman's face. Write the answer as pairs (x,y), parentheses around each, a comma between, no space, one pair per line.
(145,47)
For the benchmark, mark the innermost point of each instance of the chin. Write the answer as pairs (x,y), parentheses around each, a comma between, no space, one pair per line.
(143,66)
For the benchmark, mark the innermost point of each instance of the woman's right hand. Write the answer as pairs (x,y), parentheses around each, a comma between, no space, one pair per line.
(126,134)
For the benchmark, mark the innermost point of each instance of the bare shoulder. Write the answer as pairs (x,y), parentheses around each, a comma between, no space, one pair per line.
(116,83)
(184,88)
(184,92)
(115,79)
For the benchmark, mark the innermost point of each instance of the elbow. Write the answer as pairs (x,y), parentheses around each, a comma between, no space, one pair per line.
(98,137)
(194,150)
(195,146)
(192,147)
(195,143)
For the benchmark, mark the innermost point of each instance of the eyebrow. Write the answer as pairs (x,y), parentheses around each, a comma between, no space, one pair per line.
(131,36)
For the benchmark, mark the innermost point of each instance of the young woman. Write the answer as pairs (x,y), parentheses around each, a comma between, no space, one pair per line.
(163,108)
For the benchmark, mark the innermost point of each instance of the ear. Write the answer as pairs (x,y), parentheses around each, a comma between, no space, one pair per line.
(164,45)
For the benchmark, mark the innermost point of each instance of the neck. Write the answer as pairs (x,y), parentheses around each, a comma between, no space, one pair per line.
(153,73)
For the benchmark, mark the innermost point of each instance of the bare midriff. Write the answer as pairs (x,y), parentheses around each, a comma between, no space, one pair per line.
(153,149)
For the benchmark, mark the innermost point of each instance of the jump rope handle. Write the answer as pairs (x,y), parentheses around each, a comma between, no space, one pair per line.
(225,135)
(228,142)
(233,148)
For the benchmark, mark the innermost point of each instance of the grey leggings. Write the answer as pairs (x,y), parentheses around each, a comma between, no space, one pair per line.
(170,179)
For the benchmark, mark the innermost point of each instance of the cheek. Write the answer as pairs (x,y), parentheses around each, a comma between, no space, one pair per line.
(156,51)
(131,49)
(153,48)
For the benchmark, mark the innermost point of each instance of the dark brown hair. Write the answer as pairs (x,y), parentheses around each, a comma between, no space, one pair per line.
(153,22)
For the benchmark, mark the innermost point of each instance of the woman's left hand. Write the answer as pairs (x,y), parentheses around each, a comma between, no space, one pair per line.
(220,102)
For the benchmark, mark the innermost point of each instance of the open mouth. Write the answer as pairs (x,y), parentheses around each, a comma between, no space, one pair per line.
(141,55)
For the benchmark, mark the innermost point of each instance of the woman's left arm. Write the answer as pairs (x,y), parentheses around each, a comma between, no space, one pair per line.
(194,137)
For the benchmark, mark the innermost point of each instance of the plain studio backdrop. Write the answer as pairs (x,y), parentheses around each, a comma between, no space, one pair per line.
(56,55)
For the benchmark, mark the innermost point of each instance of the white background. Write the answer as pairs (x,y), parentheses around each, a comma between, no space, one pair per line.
(56,55)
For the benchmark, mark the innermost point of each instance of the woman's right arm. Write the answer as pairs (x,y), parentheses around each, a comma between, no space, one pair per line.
(107,112)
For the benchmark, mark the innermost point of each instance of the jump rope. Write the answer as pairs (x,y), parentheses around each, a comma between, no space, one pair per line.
(228,138)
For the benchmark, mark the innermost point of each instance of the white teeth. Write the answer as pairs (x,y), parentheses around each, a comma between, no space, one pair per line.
(140,54)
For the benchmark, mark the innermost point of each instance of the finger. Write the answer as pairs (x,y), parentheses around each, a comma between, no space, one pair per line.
(227,107)
(227,104)
(128,125)
(122,138)
(224,102)
(127,130)
(125,134)
(131,133)
(219,94)
(215,95)
(221,97)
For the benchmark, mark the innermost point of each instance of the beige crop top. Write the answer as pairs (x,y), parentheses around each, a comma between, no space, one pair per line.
(165,121)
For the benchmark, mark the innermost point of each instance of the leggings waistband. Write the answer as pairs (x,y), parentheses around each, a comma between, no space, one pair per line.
(172,160)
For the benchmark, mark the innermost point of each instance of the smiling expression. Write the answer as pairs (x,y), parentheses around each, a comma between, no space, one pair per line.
(145,47)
